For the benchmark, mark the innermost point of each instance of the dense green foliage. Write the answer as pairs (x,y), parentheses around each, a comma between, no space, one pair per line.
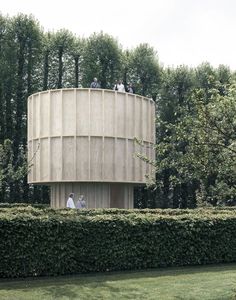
(196,138)
(195,128)
(51,242)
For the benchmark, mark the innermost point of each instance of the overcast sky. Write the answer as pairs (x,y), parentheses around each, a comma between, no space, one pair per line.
(181,31)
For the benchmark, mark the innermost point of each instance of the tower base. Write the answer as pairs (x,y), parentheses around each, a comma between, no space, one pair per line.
(97,195)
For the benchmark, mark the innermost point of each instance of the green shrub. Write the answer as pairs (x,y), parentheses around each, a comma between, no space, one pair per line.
(16,205)
(36,241)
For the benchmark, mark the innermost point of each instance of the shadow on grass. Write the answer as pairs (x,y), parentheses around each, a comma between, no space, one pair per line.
(57,292)
(62,285)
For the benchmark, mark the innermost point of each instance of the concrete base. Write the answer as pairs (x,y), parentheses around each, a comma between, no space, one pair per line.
(97,195)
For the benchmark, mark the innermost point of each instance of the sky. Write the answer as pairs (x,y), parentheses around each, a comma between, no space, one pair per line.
(187,32)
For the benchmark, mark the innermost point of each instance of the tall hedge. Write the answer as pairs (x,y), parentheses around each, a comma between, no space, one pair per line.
(37,241)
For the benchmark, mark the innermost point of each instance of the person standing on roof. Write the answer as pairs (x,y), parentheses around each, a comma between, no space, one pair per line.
(95,84)
(119,87)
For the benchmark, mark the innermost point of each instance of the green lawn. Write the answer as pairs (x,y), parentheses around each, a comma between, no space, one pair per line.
(205,282)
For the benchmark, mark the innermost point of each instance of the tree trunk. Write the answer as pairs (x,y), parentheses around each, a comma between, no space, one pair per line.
(60,68)
(76,59)
(45,70)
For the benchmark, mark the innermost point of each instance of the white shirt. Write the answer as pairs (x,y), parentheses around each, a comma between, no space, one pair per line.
(120,87)
(70,203)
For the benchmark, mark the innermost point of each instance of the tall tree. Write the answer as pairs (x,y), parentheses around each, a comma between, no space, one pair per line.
(61,42)
(195,138)
(173,104)
(77,52)
(20,68)
(212,151)
(102,59)
(47,47)
(144,70)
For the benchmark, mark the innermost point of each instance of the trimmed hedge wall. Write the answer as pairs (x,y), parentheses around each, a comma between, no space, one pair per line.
(44,241)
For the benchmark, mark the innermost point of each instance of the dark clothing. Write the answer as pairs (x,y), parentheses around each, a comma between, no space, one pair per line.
(130,90)
(95,85)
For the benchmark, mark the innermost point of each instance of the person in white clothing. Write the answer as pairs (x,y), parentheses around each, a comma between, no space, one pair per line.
(119,87)
(70,202)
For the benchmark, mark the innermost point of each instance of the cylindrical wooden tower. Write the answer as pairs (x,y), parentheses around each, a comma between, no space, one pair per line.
(83,141)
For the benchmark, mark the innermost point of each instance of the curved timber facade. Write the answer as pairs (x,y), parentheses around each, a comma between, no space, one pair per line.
(83,141)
